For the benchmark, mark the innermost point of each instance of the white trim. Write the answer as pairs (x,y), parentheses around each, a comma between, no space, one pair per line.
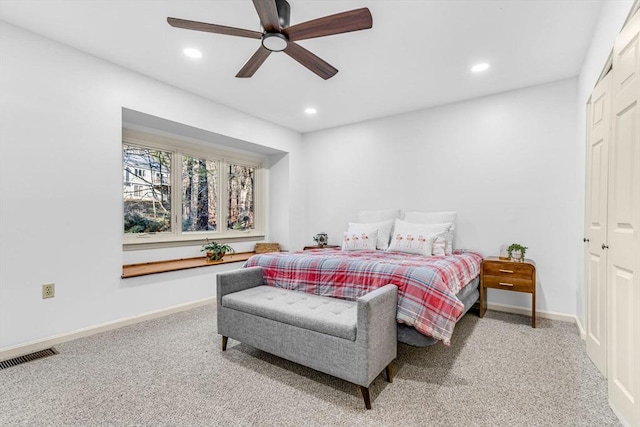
(544,314)
(189,146)
(33,346)
(583,332)
(621,418)
(635,7)
(527,312)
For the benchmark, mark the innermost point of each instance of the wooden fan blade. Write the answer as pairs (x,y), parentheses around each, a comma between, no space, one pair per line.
(213,28)
(353,20)
(311,61)
(254,62)
(268,14)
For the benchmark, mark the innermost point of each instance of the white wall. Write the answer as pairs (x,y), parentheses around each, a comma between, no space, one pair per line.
(60,198)
(505,163)
(612,17)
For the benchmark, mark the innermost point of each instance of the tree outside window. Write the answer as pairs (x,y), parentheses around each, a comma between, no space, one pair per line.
(147,202)
(240,214)
(199,194)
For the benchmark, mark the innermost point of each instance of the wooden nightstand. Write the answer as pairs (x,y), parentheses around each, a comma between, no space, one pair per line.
(306,248)
(509,276)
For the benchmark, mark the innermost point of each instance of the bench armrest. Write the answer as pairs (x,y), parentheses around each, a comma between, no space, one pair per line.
(377,334)
(381,304)
(237,280)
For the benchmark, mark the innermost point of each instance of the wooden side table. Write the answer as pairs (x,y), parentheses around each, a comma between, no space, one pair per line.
(509,276)
(307,248)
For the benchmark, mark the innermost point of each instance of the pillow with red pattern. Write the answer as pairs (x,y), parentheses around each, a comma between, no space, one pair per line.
(360,241)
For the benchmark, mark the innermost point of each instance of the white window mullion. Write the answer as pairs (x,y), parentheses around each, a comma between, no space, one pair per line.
(223,195)
(176,193)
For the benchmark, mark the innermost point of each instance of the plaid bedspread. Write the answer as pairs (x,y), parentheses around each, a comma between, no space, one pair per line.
(427,286)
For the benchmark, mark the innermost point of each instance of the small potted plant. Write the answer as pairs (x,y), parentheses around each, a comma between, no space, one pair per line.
(517,252)
(216,251)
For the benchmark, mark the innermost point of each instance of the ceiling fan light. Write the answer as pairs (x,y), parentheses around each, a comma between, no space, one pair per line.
(275,42)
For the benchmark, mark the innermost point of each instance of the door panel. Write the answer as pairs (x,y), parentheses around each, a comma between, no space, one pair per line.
(622,298)
(624,227)
(596,322)
(599,135)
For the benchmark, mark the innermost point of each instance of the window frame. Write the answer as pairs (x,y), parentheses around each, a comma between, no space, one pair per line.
(195,148)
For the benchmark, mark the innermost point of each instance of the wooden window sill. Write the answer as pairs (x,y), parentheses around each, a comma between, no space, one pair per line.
(135,270)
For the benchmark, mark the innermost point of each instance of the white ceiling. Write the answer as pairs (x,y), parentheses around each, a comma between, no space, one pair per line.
(417,55)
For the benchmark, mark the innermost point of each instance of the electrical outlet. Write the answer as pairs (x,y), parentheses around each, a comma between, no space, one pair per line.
(48,290)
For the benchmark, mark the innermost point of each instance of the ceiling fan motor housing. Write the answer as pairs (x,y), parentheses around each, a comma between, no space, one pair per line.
(284,13)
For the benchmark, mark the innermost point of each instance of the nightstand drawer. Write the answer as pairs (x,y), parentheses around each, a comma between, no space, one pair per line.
(508,283)
(508,269)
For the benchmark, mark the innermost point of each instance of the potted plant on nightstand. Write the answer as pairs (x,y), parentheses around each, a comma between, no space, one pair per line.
(517,252)
(216,251)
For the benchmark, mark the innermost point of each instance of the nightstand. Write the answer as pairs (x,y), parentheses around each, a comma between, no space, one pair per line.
(306,248)
(508,276)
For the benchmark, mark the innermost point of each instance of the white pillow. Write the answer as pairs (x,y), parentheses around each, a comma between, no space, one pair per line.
(363,241)
(439,245)
(379,215)
(417,238)
(448,236)
(384,231)
(410,243)
(435,218)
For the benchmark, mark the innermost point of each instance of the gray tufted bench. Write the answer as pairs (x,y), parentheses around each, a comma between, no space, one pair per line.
(351,340)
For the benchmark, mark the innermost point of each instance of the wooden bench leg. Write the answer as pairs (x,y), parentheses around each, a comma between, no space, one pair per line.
(389,371)
(224,343)
(365,396)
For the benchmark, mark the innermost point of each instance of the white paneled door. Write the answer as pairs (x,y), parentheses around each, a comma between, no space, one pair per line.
(599,131)
(623,273)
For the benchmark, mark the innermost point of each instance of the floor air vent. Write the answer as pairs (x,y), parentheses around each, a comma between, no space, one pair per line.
(27,358)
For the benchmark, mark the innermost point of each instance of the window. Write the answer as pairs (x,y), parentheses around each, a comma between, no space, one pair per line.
(199,194)
(240,215)
(178,191)
(147,209)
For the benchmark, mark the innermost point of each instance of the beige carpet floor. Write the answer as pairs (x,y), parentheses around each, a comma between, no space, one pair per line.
(171,372)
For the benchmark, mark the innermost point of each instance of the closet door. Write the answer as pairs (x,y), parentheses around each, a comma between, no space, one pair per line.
(599,131)
(624,228)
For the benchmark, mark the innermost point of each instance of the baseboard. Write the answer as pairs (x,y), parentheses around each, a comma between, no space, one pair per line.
(41,344)
(583,332)
(621,418)
(527,312)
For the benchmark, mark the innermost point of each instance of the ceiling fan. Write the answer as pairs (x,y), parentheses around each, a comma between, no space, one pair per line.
(278,36)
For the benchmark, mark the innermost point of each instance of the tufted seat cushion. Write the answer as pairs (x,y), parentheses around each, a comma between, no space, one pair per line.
(317,313)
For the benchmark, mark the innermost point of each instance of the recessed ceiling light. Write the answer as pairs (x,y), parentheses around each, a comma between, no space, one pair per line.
(310,111)
(480,67)
(192,53)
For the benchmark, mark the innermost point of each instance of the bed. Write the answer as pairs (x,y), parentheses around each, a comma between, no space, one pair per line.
(433,291)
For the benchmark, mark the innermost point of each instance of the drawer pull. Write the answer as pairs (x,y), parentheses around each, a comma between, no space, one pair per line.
(506,284)
(506,271)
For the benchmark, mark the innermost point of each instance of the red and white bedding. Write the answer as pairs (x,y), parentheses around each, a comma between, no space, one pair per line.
(427,286)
